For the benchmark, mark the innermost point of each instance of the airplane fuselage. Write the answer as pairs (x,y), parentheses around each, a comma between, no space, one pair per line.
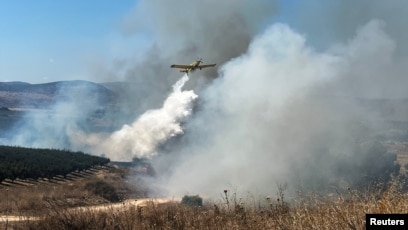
(193,66)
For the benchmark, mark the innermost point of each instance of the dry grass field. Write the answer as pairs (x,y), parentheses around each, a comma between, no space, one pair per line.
(70,204)
(306,212)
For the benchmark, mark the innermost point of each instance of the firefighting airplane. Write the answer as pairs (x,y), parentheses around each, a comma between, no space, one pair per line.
(193,66)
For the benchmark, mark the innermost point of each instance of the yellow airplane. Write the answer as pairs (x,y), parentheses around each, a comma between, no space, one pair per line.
(193,66)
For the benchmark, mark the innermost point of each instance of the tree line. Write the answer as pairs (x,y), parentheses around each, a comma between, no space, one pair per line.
(33,163)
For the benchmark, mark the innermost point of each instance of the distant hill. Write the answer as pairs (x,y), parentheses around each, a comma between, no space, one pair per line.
(26,95)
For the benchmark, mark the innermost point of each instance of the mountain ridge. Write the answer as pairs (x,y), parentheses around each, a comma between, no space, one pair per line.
(18,94)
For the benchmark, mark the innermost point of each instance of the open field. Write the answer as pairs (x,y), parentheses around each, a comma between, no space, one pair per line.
(307,211)
(100,198)
(76,202)
(68,204)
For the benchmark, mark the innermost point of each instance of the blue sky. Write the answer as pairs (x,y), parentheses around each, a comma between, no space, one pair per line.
(46,40)
(52,40)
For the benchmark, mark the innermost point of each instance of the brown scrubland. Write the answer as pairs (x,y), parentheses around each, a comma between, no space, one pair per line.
(52,205)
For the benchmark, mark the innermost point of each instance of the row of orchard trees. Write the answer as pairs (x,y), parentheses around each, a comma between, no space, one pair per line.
(31,163)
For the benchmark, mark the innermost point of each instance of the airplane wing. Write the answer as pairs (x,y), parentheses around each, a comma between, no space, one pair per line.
(205,66)
(181,66)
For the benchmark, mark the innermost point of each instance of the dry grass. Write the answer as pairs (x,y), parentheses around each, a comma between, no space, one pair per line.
(306,212)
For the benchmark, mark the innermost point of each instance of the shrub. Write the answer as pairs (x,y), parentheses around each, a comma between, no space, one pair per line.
(192,200)
(103,189)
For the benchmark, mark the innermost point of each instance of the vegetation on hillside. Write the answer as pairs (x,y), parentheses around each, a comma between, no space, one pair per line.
(32,163)
(79,189)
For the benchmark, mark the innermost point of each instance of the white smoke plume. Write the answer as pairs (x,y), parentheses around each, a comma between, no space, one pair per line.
(146,133)
(284,112)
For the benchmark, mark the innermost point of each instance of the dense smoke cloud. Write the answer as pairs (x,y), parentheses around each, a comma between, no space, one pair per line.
(298,106)
(182,31)
(285,113)
(328,21)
